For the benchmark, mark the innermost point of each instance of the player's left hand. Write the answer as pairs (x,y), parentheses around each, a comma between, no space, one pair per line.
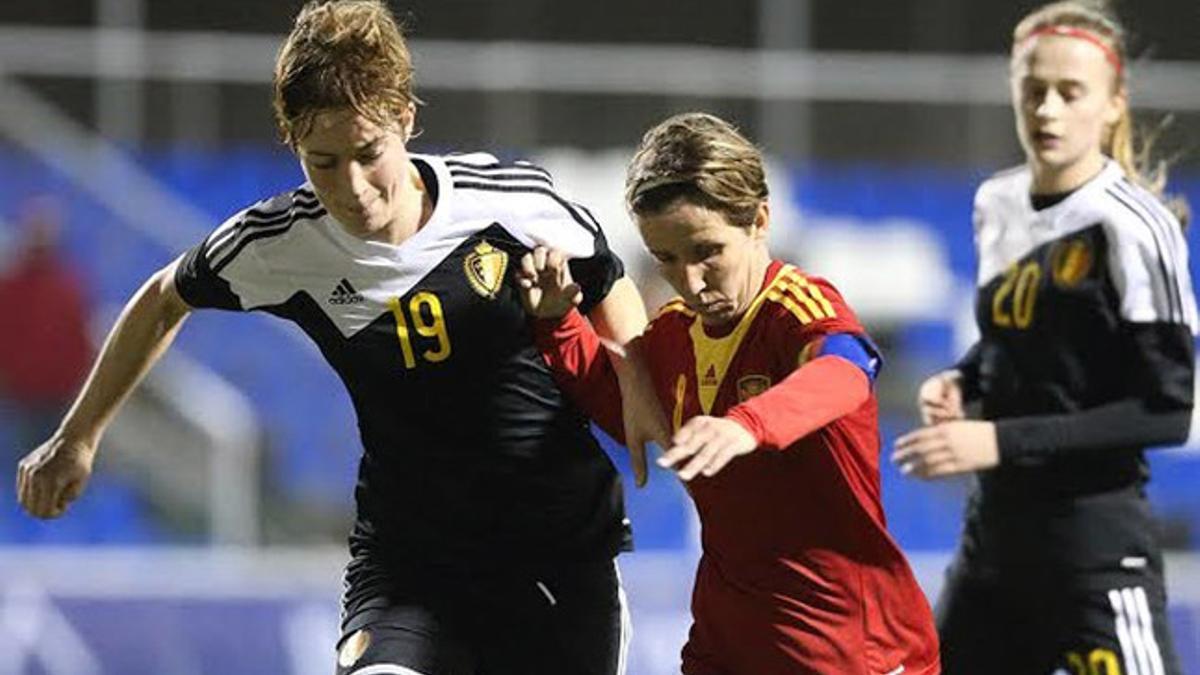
(947,449)
(704,445)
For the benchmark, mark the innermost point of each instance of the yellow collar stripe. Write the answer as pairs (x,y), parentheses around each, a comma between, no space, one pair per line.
(713,355)
(676,305)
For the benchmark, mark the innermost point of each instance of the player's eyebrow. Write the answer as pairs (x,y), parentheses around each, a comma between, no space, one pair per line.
(1069,81)
(368,144)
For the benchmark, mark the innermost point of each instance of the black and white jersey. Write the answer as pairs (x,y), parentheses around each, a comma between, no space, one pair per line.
(1087,317)
(471,452)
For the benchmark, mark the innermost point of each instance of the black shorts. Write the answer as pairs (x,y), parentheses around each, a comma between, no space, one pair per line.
(570,621)
(1109,622)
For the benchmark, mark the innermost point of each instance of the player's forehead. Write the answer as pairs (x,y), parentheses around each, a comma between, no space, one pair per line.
(1054,58)
(341,130)
(684,226)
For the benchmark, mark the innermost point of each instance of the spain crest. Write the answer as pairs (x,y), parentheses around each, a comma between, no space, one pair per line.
(752,385)
(1070,262)
(485,268)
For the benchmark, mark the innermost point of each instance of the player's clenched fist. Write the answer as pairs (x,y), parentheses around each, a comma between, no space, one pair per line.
(54,475)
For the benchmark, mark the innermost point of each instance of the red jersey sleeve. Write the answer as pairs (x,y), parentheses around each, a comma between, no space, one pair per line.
(816,394)
(821,387)
(582,369)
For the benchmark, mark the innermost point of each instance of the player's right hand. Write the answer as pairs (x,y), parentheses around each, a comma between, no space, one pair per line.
(704,445)
(547,290)
(54,475)
(940,398)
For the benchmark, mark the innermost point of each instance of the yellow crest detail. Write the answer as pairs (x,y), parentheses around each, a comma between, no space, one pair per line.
(353,648)
(1070,262)
(680,395)
(485,267)
(752,385)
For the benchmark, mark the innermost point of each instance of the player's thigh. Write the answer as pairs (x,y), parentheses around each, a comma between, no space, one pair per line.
(1119,627)
(985,628)
(406,639)
(571,620)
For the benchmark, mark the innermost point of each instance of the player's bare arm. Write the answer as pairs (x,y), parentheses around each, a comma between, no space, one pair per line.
(55,473)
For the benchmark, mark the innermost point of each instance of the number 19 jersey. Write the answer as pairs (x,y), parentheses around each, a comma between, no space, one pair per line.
(472,456)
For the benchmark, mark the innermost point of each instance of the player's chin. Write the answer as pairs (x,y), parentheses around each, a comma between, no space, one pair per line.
(1052,158)
(717,313)
(351,222)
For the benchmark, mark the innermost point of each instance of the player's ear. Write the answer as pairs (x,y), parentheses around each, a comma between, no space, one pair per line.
(407,121)
(762,221)
(1117,107)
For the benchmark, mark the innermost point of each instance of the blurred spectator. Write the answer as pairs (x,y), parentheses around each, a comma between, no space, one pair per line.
(44,348)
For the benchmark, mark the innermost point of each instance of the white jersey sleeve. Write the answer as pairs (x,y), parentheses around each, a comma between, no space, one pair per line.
(524,199)
(1147,257)
(227,270)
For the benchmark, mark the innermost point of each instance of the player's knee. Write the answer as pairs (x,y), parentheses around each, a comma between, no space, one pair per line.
(385,669)
(351,660)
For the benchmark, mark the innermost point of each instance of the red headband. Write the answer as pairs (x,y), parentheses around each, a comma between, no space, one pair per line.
(1082,34)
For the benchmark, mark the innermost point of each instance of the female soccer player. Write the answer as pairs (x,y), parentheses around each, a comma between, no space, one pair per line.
(488,517)
(1086,313)
(768,377)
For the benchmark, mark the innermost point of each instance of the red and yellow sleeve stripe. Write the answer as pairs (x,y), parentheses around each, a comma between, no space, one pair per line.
(801,297)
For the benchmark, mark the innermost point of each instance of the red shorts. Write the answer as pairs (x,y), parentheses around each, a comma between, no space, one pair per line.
(738,629)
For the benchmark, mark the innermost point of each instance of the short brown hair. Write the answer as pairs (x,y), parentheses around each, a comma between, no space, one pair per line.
(700,158)
(342,54)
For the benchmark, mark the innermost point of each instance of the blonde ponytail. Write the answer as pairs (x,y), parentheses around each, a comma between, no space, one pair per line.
(1139,164)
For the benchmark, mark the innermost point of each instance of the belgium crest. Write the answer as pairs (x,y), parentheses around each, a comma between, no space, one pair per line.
(1070,262)
(485,268)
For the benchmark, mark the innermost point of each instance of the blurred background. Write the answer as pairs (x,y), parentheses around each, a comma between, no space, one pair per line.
(212,537)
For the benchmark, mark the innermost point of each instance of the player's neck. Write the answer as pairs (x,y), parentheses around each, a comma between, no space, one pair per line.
(415,208)
(1056,180)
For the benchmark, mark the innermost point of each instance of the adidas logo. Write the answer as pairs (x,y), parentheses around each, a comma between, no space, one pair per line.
(345,294)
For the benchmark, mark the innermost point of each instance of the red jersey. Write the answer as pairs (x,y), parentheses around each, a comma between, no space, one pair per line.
(798,572)
(44,347)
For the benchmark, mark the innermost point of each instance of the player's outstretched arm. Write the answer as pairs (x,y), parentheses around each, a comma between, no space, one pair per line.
(812,396)
(55,473)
